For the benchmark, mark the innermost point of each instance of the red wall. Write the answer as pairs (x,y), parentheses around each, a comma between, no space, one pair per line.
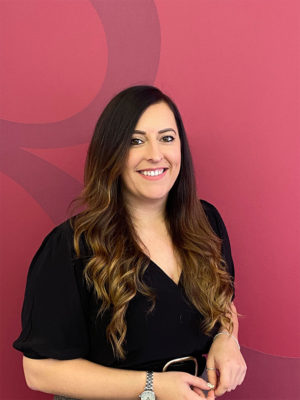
(232,67)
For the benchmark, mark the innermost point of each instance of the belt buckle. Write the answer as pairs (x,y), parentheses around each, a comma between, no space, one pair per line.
(182,359)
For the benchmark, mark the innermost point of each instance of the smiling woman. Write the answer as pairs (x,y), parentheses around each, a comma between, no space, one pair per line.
(154,155)
(138,286)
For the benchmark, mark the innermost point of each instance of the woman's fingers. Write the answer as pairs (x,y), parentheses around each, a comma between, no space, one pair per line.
(241,374)
(225,382)
(211,395)
(230,378)
(212,376)
(199,392)
(173,385)
(238,373)
(230,364)
(197,382)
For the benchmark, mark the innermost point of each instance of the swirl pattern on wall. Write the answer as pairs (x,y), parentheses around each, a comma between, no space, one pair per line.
(232,68)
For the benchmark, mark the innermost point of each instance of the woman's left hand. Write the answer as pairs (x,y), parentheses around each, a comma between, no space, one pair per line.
(225,356)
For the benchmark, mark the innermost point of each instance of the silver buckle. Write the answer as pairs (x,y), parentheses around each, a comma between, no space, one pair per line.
(176,360)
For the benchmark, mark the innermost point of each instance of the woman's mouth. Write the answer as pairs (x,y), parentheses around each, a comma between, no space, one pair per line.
(153,174)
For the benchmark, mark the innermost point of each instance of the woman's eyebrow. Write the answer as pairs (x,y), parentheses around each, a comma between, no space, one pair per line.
(161,131)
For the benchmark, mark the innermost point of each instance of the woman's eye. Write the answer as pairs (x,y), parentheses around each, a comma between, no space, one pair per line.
(168,138)
(135,141)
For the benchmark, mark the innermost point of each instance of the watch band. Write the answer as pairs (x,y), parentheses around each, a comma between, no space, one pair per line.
(149,381)
(148,393)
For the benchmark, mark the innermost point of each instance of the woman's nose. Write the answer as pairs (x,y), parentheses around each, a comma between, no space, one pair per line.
(154,152)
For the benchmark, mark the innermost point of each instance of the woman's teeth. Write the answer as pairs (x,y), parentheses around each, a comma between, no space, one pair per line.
(152,173)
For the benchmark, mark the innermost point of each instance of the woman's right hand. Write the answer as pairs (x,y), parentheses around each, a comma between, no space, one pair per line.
(180,386)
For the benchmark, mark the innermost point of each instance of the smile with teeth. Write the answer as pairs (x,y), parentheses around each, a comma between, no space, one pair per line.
(152,173)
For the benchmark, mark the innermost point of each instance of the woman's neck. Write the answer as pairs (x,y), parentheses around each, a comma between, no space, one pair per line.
(147,214)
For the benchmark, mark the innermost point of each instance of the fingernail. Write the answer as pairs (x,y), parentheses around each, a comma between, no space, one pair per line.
(210,385)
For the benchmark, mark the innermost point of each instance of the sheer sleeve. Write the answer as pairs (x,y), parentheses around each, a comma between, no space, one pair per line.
(219,228)
(53,319)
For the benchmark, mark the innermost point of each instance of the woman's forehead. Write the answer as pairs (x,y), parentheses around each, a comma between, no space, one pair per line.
(156,117)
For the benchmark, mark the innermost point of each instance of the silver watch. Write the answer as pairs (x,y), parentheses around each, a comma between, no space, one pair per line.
(148,393)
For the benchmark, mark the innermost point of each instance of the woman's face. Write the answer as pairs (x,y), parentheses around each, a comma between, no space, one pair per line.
(154,158)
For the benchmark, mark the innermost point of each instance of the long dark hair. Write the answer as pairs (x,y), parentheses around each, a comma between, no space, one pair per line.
(115,269)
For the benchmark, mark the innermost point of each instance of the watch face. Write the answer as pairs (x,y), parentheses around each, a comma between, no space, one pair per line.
(148,395)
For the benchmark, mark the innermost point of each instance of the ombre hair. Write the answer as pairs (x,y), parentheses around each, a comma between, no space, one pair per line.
(117,263)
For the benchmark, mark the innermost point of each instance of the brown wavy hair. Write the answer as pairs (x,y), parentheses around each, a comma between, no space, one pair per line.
(117,263)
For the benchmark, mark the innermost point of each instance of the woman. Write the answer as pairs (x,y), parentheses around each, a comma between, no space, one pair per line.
(142,276)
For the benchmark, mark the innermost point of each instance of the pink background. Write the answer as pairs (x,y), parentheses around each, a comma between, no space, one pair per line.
(232,67)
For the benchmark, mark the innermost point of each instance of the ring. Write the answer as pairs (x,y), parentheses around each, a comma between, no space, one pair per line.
(210,369)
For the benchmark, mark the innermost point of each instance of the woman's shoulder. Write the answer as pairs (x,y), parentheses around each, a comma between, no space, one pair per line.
(64,234)
(60,234)
(61,240)
(54,244)
(220,229)
(214,218)
(65,229)
(208,207)
(210,210)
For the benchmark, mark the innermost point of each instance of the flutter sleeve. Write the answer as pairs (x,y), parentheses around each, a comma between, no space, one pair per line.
(53,319)
(219,228)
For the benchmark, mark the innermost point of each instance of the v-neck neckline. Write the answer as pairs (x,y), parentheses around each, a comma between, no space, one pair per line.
(166,275)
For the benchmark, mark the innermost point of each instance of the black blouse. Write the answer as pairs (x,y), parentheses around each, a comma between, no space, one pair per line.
(59,311)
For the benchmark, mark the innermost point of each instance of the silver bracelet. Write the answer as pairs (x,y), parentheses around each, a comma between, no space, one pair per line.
(228,334)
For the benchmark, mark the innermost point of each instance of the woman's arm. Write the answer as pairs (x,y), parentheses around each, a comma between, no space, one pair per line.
(225,356)
(80,378)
